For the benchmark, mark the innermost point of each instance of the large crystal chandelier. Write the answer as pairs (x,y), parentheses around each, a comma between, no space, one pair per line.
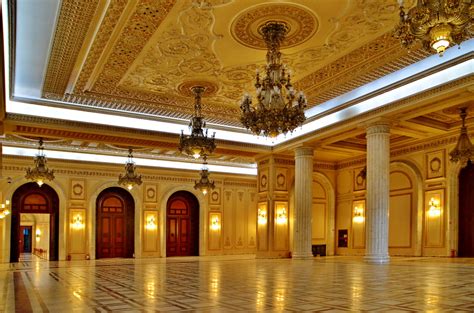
(40,172)
(204,184)
(197,144)
(438,24)
(464,151)
(130,178)
(280,108)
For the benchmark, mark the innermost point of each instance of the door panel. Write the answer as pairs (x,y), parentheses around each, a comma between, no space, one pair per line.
(115,229)
(182,235)
(466,211)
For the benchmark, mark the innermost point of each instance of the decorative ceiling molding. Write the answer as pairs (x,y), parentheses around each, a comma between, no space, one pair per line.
(74,21)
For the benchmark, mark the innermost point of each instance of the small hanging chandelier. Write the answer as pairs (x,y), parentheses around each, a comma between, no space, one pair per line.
(197,144)
(204,184)
(40,173)
(130,179)
(464,151)
(438,24)
(280,108)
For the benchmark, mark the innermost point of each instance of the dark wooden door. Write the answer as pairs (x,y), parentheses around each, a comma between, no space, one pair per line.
(114,224)
(182,225)
(466,211)
(25,239)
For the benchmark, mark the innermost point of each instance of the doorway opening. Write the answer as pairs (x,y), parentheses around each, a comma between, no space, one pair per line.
(35,223)
(466,211)
(115,220)
(182,225)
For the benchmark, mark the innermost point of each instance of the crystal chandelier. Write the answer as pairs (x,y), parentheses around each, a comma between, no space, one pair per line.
(438,24)
(197,143)
(130,178)
(280,108)
(464,151)
(204,184)
(40,172)
(5,209)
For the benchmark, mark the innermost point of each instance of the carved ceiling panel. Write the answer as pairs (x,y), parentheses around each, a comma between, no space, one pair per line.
(144,55)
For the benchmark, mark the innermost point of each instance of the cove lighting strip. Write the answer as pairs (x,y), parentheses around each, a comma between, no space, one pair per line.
(89,157)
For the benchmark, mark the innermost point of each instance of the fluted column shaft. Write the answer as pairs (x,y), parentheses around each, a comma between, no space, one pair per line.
(378,193)
(302,216)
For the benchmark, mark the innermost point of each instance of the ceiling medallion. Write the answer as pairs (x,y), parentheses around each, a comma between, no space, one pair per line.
(130,179)
(197,143)
(40,172)
(438,24)
(464,151)
(302,24)
(280,108)
(204,184)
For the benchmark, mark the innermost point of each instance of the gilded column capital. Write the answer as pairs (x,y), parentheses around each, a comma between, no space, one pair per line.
(379,125)
(304,151)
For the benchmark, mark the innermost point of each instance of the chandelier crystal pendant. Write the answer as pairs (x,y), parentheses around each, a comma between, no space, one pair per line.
(438,24)
(464,151)
(204,184)
(130,179)
(40,173)
(197,143)
(280,109)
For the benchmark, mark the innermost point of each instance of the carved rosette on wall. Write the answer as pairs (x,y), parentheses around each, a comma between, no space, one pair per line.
(263,181)
(360,175)
(150,193)
(215,196)
(435,164)
(77,189)
(281,178)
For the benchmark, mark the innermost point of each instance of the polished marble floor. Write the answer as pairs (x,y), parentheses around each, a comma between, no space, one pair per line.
(238,283)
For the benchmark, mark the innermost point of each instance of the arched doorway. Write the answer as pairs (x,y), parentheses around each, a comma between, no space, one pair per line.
(182,225)
(33,199)
(115,211)
(466,211)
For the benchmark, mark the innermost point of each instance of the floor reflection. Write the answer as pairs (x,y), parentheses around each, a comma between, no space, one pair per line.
(238,283)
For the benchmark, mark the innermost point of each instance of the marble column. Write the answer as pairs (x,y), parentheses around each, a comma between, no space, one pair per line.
(302,217)
(378,192)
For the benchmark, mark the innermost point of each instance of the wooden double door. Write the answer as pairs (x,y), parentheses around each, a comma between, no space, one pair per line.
(115,224)
(182,225)
(466,211)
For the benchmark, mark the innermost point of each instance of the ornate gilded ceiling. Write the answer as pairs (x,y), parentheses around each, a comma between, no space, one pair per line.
(143,56)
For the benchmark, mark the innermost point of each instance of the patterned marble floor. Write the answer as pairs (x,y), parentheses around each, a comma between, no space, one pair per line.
(238,283)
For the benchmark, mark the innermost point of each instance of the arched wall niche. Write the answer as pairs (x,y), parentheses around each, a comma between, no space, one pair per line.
(324,202)
(406,209)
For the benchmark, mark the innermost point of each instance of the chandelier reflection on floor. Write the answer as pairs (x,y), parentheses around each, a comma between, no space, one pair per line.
(130,179)
(280,109)
(438,24)
(197,143)
(40,173)
(464,151)
(204,183)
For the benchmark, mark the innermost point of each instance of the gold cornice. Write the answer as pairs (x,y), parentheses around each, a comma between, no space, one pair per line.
(74,20)
(431,93)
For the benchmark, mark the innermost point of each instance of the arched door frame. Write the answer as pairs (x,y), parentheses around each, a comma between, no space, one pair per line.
(203,209)
(412,170)
(92,213)
(8,194)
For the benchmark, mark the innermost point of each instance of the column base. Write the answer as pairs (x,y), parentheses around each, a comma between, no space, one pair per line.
(377,259)
(302,256)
